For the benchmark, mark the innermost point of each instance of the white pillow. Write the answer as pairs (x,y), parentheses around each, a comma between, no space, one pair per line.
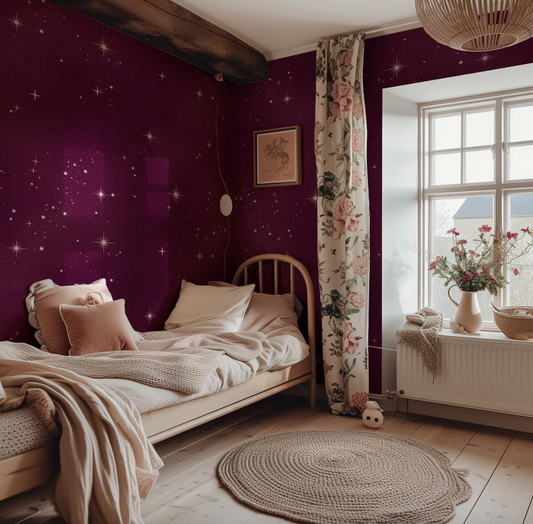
(204,309)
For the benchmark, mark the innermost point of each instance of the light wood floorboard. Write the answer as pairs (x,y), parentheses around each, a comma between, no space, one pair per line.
(188,491)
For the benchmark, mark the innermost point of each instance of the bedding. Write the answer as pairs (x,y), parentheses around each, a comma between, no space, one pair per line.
(43,301)
(107,463)
(97,328)
(204,309)
(172,361)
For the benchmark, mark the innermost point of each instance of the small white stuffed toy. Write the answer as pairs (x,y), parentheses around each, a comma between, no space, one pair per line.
(373,415)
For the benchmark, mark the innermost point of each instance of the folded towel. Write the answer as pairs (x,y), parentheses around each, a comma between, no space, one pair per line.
(423,336)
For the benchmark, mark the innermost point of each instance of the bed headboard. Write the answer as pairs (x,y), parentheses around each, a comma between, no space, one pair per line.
(293,263)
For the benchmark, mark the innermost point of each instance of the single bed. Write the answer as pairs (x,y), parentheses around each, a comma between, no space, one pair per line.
(167,413)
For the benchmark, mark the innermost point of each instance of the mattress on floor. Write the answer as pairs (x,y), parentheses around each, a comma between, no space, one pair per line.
(21,430)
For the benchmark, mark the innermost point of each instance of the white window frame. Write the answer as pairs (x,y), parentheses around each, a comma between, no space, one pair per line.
(501,187)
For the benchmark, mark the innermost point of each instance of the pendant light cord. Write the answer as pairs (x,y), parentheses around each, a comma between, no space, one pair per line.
(219,80)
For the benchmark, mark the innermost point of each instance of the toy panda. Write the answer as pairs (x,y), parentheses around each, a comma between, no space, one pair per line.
(373,415)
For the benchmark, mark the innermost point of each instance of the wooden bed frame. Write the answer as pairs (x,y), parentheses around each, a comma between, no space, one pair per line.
(39,466)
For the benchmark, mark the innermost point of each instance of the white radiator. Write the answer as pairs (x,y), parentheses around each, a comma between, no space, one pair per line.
(490,372)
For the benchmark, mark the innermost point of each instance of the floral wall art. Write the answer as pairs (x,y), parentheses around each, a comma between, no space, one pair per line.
(107,165)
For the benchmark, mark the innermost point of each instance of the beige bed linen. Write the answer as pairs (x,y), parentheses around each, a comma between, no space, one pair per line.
(280,352)
(107,463)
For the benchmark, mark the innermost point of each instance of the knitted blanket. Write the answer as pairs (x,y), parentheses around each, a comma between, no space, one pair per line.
(163,360)
(424,338)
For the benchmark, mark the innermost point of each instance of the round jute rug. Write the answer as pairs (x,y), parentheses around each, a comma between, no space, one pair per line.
(344,477)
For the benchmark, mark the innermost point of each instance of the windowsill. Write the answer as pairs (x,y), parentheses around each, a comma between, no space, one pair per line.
(483,335)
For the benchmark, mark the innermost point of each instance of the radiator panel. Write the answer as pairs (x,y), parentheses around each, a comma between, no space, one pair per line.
(495,375)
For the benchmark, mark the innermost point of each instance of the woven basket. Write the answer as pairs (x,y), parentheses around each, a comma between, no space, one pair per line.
(519,327)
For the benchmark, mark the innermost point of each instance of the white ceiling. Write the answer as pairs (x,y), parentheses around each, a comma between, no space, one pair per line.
(284,27)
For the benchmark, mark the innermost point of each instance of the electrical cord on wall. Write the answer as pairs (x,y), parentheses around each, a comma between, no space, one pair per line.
(219,78)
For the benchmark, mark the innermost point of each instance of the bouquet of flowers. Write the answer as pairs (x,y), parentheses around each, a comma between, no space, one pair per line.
(480,266)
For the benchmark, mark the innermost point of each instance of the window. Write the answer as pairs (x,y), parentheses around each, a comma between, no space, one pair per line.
(476,169)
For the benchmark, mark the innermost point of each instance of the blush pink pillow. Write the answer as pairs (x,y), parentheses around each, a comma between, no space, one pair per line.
(47,306)
(97,328)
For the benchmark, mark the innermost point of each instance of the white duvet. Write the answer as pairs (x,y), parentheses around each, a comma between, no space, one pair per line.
(280,352)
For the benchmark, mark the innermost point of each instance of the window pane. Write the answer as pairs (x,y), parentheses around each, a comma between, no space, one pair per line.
(466,215)
(447,132)
(520,127)
(447,169)
(520,162)
(479,166)
(480,128)
(521,217)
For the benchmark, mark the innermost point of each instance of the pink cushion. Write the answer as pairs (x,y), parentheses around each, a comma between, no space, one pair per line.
(97,328)
(47,305)
(272,315)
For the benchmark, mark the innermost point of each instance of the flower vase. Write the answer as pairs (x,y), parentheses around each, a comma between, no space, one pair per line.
(468,313)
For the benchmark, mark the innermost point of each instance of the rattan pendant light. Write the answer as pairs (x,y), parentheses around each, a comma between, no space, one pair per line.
(477,25)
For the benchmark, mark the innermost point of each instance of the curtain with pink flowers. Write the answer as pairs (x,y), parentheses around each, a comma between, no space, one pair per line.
(343,221)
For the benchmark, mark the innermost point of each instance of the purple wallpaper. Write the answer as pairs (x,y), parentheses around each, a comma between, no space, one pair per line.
(108,160)
(107,165)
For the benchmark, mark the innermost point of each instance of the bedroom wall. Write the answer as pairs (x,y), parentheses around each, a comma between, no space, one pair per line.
(288,98)
(96,131)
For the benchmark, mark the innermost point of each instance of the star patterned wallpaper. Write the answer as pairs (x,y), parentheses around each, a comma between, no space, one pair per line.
(108,165)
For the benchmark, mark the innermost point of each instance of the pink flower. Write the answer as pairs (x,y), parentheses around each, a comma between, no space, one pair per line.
(515,271)
(454,231)
(349,341)
(453,249)
(342,93)
(359,400)
(461,253)
(360,265)
(485,229)
(356,299)
(432,266)
(358,140)
(461,242)
(348,58)
(318,128)
(526,230)
(511,235)
(325,365)
(468,276)
(357,111)
(356,181)
(495,240)
(344,216)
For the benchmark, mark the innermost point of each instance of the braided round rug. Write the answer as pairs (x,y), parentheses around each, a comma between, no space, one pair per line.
(344,477)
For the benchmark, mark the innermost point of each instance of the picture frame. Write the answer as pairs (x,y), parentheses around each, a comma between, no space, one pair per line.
(278,157)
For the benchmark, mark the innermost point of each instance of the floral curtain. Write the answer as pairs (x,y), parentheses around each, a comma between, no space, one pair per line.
(343,221)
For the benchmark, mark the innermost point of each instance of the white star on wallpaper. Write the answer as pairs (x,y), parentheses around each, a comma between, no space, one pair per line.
(149,315)
(15,22)
(104,47)
(199,94)
(35,95)
(149,136)
(162,75)
(396,67)
(484,58)
(35,161)
(16,248)
(176,195)
(100,194)
(314,198)
(199,256)
(97,91)
(104,242)
(162,251)
(209,145)
(286,99)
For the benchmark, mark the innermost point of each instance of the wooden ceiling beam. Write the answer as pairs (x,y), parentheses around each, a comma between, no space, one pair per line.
(179,32)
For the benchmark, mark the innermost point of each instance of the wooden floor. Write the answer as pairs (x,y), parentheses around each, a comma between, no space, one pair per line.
(187,491)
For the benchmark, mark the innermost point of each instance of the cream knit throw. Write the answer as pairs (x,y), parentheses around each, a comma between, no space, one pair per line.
(342,477)
(178,362)
(424,338)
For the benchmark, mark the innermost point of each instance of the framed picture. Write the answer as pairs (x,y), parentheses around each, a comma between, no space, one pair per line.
(277,157)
